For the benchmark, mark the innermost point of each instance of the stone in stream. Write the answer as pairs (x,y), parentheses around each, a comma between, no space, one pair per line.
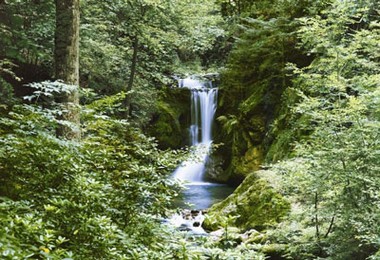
(196,224)
(189,220)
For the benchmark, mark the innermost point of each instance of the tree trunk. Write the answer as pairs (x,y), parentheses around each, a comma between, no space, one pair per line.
(4,21)
(67,63)
(127,102)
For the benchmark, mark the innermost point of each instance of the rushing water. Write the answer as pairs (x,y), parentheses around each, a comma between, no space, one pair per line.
(198,193)
(203,106)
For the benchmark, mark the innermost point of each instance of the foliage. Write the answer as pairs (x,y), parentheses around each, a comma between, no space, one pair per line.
(333,177)
(6,90)
(63,199)
(328,125)
(27,31)
(167,33)
(203,37)
(117,24)
(256,74)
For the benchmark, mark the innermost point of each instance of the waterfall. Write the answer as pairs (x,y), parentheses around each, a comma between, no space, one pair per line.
(203,107)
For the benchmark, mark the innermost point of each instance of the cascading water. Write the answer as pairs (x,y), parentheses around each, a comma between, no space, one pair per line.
(203,107)
(198,193)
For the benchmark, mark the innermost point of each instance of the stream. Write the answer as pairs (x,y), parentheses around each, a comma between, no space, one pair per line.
(203,195)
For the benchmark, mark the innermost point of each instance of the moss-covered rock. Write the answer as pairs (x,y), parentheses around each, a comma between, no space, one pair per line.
(169,124)
(254,204)
(239,166)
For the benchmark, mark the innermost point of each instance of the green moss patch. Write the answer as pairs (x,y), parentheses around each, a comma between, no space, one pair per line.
(170,122)
(255,204)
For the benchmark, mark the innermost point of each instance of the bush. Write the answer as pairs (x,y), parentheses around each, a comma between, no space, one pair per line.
(86,200)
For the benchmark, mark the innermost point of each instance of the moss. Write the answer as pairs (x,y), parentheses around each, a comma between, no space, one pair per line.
(170,122)
(255,203)
(241,166)
(282,146)
(167,128)
(264,131)
(254,158)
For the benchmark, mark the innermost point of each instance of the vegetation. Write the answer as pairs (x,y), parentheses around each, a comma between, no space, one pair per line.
(254,205)
(86,156)
(63,199)
(311,106)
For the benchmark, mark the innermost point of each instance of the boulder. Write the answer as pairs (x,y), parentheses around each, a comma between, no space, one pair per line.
(255,204)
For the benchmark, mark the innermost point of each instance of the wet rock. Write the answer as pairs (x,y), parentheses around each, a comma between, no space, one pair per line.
(184,227)
(189,221)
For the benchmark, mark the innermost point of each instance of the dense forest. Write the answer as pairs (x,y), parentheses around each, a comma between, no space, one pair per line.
(93,124)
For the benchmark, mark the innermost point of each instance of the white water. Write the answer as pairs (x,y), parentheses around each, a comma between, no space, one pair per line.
(188,222)
(203,107)
(199,193)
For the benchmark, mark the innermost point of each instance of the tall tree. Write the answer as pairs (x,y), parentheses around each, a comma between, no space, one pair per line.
(67,63)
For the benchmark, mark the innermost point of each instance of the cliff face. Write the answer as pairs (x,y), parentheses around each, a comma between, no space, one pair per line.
(265,136)
(254,137)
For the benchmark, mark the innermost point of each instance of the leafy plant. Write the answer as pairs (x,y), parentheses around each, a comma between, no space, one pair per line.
(333,176)
(79,199)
